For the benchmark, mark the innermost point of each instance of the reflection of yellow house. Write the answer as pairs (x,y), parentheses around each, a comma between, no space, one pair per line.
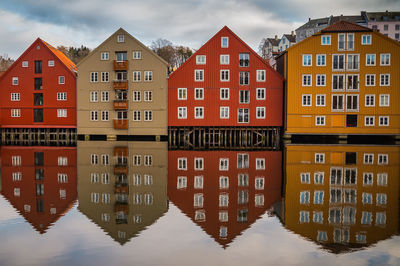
(122,186)
(342,197)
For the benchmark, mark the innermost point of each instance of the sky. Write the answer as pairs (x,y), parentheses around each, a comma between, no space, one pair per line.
(183,22)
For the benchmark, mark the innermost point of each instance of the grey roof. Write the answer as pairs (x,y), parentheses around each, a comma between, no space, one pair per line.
(290,37)
(383,16)
(324,22)
(273,41)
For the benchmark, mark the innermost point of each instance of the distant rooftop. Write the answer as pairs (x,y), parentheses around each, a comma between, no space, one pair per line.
(323,22)
(345,26)
(273,41)
(382,16)
(290,37)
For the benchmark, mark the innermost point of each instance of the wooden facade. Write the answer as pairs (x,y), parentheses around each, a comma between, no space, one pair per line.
(225,83)
(39,90)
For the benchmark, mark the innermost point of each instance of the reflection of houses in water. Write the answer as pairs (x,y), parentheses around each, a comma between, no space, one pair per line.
(224,192)
(122,186)
(40,182)
(342,197)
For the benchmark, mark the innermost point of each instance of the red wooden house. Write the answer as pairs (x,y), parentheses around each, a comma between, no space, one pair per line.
(225,83)
(39,90)
(224,192)
(40,182)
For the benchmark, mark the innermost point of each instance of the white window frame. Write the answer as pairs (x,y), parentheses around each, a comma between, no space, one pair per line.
(61,80)
(260,112)
(320,120)
(222,111)
(62,113)
(137,54)
(199,75)
(105,96)
(260,92)
(261,75)
(325,39)
(368,120)
(61,96)
(382,59)
(384,100)
(222,42)
(320,100)
(382,119)
(148,115)
(372,77)
(320,80)
(308,81)
(366,39)
(224,59)
(201,59)
(182,93)
(223,91)
(136,76)
(319,58)
(148,76)
(104,56)
(309,96)
(224,75)
(307,60)
(385,84)
(199,93)
(199,109)
(372,56)
(137,96)
(15,112)
(182,110)
(14,81)
(369,100)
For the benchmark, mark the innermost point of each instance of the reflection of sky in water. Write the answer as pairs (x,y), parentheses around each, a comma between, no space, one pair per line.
(173,240)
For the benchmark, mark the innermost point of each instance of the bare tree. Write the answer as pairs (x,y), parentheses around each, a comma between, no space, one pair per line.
(5,62)
(173,55)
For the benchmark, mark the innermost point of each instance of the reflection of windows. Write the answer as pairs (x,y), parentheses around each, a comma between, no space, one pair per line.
(336,176)
(182,163)
(367,198)
(361,238)
(381,179)
(223,164)
(198,200)
(334,215)
(319,178)
(336,195)
(380,218)
(350,195)
(350,176)
(368,179)
(305,178)
(223,182)
(223,232)
(259,183)
(242,215)
(243,180)
(182,182)
(349,215)
(223,200)
(366,218)
(243,197)
(318,217)
(381,199)
(200,216)
(223,216)
(242,161)
(260,163)
(259,200)
(304,197)
(198,182)
(304,217)
(322,236)
(318,197)
(243,115)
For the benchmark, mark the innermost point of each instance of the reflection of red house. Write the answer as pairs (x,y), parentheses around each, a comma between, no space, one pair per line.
(40,182)
(246,201)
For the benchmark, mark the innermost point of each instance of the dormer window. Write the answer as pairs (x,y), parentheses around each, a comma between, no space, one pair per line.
(224,42)
(121,38)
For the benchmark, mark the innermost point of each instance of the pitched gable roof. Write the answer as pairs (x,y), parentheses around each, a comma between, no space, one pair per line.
(273,41)
(225,28)
(345,26)
(290,37)
(63,58)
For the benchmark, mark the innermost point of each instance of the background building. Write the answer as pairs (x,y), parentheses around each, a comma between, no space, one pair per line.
(342,80)
(122,89)
(286,41)
(388,23)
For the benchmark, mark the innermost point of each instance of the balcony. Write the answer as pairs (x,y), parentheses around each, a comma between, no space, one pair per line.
(121,151)
(120,65)
(121,169)
(120,85)
(120,123)
(121,104)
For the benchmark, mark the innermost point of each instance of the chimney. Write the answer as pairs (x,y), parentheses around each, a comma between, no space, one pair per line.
(292,33)
(276,37)
(309,19)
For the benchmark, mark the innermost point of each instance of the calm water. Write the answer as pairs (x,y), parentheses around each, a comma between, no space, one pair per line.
(137,203)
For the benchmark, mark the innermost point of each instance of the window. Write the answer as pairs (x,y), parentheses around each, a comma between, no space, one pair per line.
(104,76)
(243,115)
(15,96)
(224,59)
(369,121)
(337,82)
(304,197)
(382,179)
(366,217)
(15,112)
(320,100)
(104,56)
(199,75)
(223,182)
(50,63)
(352,102)
(244,96)
(38,67)
(244,59)
(200,59)
(105,178)
(366,39)
(136,76)
(305,178)
(137,199)
(199,93)
(224,112)
(148,115)
(260,75)
(383,159)
(182,182)
(304,217)
(224,75)
(307,60)
(17,176)
(368,158)
(148,96)
(61,112)
(223,164)
(198,182)
(94,159)
(198,163)
(199,112)
(385,59)
(224,42)
(137,180)
(121,38)
(224,93)
(105,96)
(385,79)
(137,160)
(136,115)
(352,82)
(148,160)
(350,41)
(244,78)
(242,161)
(223,231)
(104,115)
(368,179)
(182,93)
(322,235)
(260,112)
(259,183)
(182,163)
(325,40)
(319,157)
(353,62)
(338,62)
(94,76)
(307,80)
(384,121)
(318,197)
(137,55)
(93,116)
(321,60)
(15,160)
(351,158)
(320,120)
(61,80)
(260,93)
(307,100)
(321,80)
(38,99)
(384,99)
(15,81)
(341,41)
(94,177)
(94,96)
(105,159)
(370,60)
(200,216)
(148,76)
(61,96)
(24,63)
(182,112)
(137,96)
(260,163)
(370,100)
